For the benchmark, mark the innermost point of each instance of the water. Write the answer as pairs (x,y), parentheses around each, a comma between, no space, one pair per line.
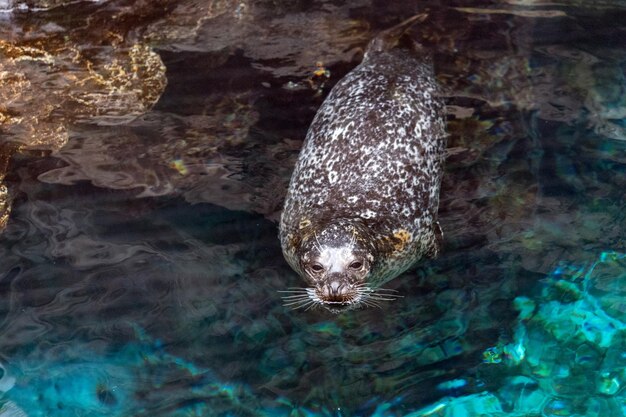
(146,149)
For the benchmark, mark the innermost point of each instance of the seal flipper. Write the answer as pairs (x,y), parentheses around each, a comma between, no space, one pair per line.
(392,37)
(436,243)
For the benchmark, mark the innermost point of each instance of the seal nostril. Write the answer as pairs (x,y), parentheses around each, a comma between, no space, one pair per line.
(334,287)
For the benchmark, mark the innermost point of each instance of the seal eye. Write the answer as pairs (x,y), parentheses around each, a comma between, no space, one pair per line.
(356,265)
(317,267)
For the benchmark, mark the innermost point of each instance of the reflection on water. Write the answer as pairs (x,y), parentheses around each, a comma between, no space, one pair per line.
(145,151)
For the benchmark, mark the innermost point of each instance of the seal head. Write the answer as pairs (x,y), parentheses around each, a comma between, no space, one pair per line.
(335,259)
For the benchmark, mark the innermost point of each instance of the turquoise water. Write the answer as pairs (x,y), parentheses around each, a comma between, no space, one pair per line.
(145,149)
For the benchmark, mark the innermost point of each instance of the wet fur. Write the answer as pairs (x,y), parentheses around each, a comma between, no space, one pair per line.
(372,160)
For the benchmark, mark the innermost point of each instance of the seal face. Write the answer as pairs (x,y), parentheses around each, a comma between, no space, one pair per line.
(362,202)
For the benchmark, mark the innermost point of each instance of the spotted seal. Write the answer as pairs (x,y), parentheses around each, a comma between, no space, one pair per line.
(362,203)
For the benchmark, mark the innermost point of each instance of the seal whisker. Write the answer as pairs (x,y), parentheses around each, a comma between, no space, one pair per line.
(386,294)
(382,299)
(378,289)
(298,303)
(390,296)
(299,307)
(383,296)
(295,303)
(385,291)
(371,303)
(312,304)
(296,297)
(356,305)
(293,293)
(364,296)
(306,306)
(318,245)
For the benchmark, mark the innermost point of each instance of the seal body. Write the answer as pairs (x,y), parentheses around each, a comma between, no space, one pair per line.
(362,203)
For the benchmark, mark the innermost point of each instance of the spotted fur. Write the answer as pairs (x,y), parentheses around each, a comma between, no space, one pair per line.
(370,168)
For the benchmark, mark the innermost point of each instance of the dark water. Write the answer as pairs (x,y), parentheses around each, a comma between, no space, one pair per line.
(146,149)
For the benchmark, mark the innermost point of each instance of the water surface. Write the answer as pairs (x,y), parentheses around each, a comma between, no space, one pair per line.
(145,152)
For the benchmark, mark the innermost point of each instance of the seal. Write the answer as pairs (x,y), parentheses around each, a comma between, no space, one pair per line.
(362,202)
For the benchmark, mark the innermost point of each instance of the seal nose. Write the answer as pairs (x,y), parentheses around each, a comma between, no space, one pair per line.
(334,288)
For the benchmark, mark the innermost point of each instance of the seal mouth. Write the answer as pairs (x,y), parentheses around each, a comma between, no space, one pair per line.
(362,296)
(337,299)
(340,306)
